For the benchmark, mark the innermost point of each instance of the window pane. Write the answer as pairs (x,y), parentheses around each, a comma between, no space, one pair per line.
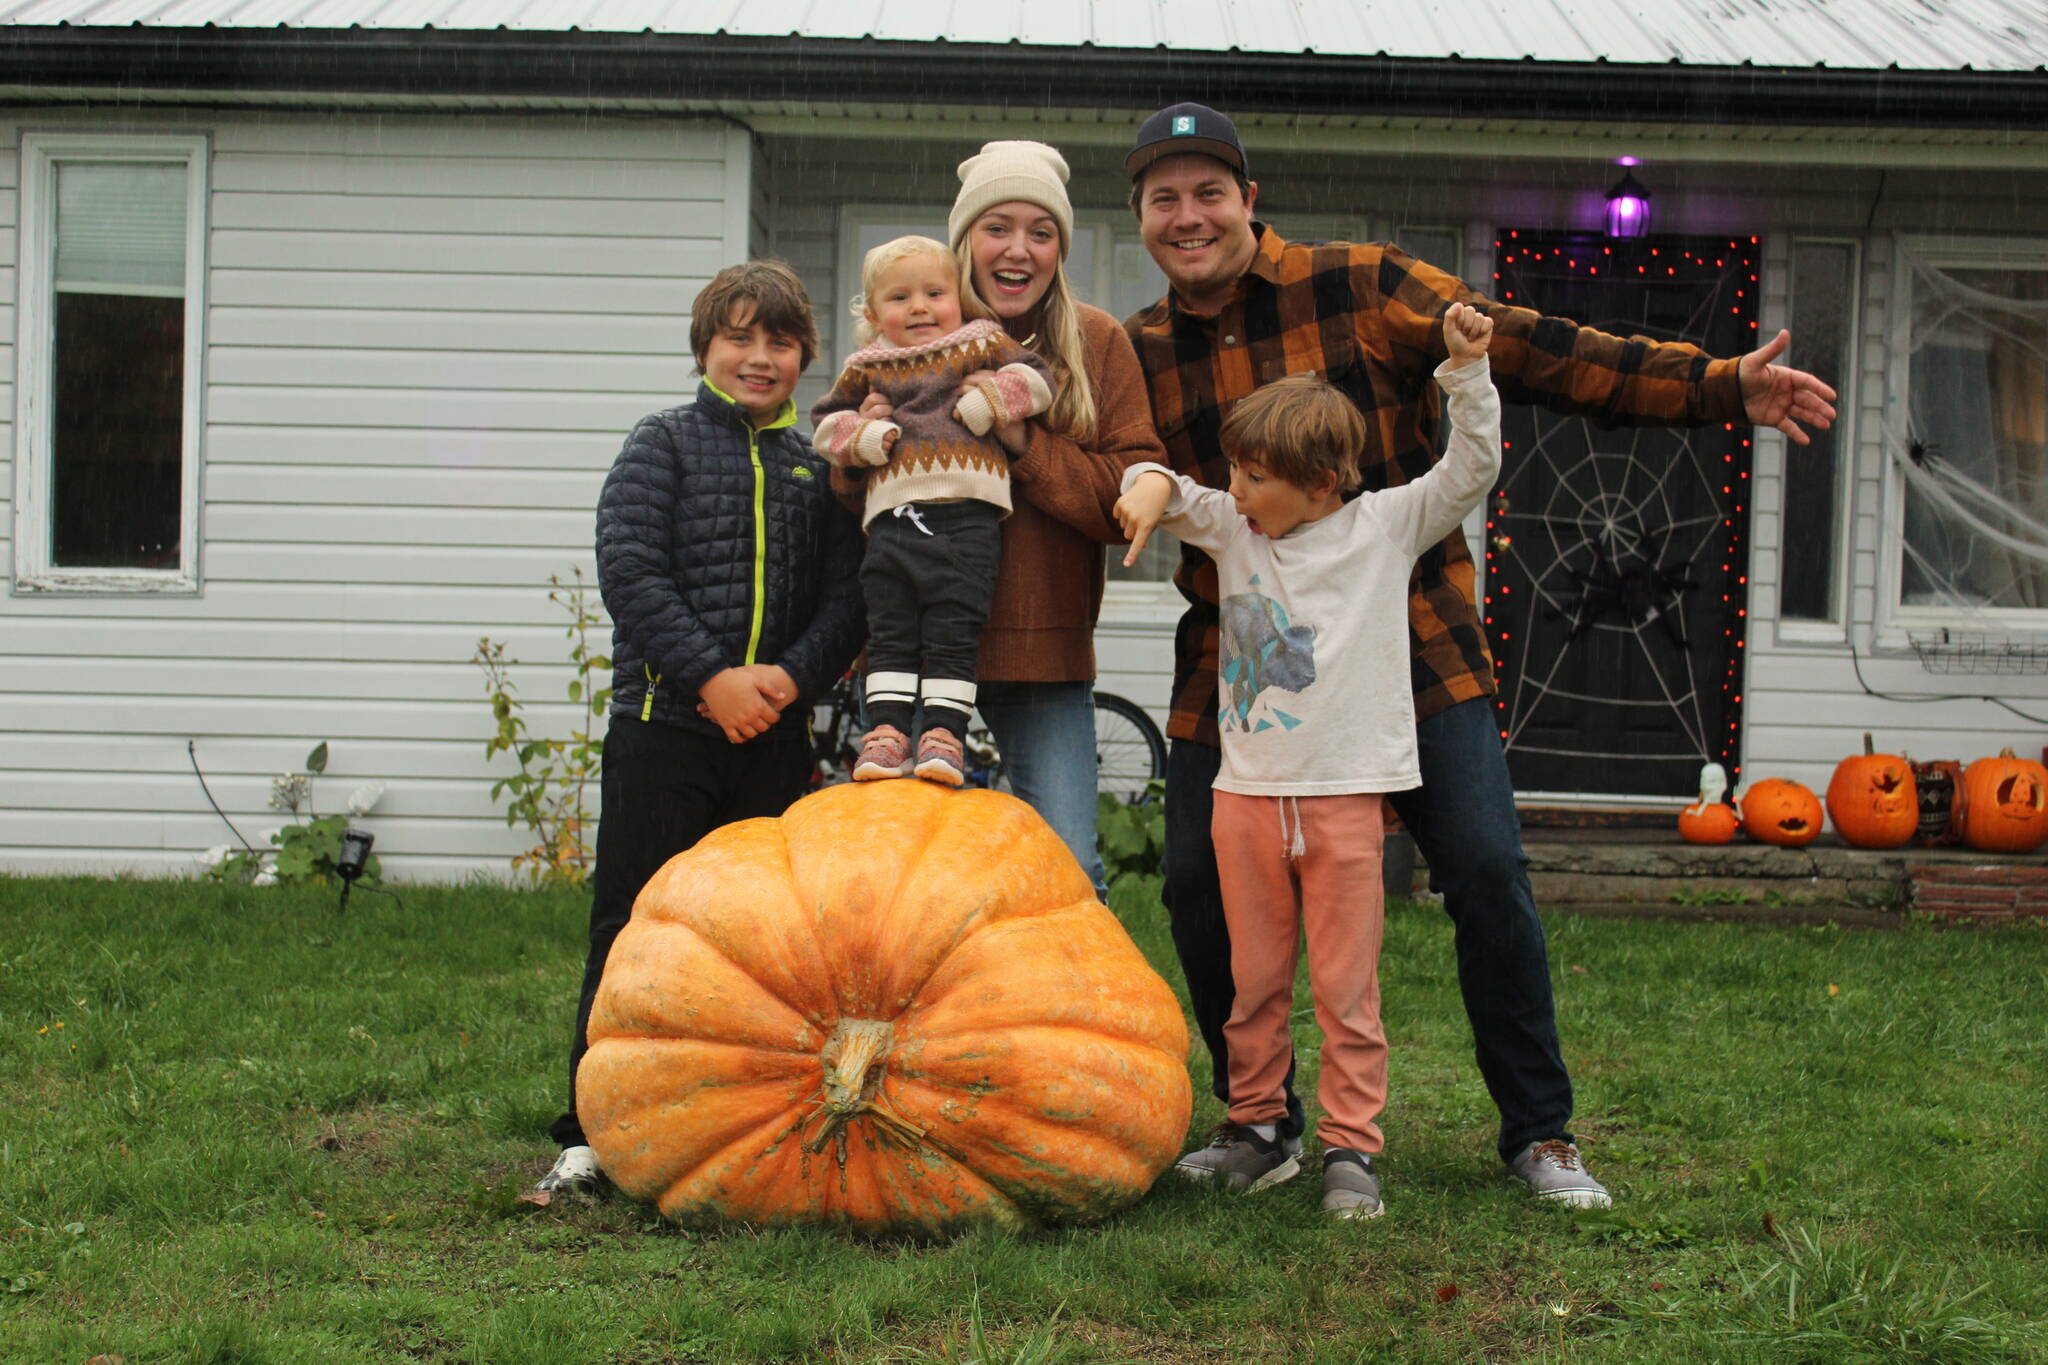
(121,225)
(1979,406)
(1822,289)
(117,431)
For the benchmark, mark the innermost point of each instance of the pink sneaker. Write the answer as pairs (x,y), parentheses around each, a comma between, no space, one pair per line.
(939,758)
(884,752)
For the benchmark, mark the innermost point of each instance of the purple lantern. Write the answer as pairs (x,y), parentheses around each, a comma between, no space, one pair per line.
(1628,206)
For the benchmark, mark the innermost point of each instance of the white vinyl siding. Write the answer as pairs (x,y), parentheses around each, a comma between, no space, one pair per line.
(427,338)
(1806,708)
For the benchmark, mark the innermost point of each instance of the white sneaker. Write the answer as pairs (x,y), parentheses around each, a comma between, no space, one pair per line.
(1554,1174)
(575,1172)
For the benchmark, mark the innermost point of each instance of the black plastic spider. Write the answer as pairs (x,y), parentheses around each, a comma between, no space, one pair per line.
(1639,592)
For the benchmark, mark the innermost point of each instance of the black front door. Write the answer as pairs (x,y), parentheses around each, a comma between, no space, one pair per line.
(1615,585)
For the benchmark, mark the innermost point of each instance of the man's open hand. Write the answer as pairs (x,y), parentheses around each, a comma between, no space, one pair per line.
(1779,396)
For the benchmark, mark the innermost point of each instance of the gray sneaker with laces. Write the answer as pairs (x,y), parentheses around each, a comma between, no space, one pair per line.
(1351,1187)
(1554,1174)
(1201,1163)
(1241,1161)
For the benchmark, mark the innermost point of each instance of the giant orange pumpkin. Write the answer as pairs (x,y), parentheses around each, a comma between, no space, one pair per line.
(2003,806)
(898,1008)
(1778,811)
(1872,800)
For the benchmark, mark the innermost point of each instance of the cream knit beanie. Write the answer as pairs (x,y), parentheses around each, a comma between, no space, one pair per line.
(1003,171)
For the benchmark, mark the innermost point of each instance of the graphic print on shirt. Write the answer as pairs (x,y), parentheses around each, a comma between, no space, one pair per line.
(1263,652)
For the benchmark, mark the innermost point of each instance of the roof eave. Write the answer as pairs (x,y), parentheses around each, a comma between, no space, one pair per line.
(612,66)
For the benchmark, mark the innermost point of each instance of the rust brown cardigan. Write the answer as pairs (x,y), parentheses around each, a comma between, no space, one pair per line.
(1041,626)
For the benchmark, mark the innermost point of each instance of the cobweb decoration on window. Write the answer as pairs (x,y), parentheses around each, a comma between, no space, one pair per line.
(1974,453)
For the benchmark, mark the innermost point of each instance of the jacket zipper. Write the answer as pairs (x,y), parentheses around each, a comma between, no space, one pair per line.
(760,538)
(653,681)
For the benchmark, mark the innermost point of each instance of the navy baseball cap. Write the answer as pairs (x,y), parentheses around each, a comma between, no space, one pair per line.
(1186,128)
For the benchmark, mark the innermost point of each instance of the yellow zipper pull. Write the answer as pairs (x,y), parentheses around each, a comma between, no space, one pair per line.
(647,702)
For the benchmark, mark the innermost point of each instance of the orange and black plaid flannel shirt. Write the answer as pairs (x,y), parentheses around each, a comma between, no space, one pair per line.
(1368,317)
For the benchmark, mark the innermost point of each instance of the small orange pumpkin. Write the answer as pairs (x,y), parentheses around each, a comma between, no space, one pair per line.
(898,1008)
(1708,822)
(2004,804)
(1872,800)
(1779,811)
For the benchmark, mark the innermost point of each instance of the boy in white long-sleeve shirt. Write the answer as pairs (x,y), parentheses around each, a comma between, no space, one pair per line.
(1318,721)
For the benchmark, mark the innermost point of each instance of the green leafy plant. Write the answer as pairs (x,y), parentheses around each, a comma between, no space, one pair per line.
(550,794)
(307,850)
(1132,835)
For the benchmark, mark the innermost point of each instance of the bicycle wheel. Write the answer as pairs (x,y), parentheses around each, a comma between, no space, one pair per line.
(1129,750)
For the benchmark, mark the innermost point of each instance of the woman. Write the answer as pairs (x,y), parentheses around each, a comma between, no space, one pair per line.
(1012,226)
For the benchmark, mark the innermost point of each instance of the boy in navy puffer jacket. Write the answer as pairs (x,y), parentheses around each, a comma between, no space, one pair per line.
(732,577)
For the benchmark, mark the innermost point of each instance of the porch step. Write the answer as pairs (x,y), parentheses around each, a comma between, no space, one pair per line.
(1621,870)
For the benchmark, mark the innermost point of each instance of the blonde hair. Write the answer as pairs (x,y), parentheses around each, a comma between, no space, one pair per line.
(1297,429)
(887,254)
(1059,343)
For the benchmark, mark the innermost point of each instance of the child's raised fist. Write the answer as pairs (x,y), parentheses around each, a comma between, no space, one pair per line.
(1467,333)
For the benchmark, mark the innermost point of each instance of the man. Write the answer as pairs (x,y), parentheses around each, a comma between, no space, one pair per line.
(1245,308)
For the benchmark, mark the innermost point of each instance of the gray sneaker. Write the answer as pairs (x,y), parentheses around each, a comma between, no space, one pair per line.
(1202,1163)
(1554,1174)
(1351,1188)
(575,1172)
(1241,1161)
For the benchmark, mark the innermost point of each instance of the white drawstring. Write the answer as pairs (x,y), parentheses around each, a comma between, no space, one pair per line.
(909,509)
(1297,846)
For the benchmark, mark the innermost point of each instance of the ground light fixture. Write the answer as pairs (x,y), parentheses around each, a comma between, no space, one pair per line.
(1628,205)
(355,852)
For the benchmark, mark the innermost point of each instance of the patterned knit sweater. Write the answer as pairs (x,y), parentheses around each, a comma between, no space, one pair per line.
(943,449)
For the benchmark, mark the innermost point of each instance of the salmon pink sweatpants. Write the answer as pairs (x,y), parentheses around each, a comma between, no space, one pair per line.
(1312,861)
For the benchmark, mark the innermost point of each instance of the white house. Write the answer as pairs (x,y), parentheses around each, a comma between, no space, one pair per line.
(377,289)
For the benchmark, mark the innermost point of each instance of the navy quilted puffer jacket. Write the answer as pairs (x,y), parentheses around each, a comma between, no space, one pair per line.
(718,546)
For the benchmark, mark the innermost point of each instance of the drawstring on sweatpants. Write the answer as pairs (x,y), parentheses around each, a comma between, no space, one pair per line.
(909,509)
(1297,846)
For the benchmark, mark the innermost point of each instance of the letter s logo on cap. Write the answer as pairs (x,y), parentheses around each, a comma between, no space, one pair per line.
(1183,124)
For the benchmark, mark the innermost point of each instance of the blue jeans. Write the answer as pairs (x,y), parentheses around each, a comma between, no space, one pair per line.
(1464,823)
(1046,732)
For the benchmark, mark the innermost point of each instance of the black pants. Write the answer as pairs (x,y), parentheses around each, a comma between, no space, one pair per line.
(664,789)
(929,579)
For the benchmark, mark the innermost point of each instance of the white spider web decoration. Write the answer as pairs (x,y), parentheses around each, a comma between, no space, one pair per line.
(1610,507)
(1624,539)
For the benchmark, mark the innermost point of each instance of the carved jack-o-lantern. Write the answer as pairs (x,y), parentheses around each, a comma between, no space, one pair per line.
(1777,811)
(2004,804)
(1872,800)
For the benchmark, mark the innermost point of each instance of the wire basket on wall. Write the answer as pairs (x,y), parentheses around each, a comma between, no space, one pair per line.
(1971,651)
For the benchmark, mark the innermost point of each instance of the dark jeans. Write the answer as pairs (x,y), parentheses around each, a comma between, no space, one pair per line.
(928,580)
(1463,820)
(664,789)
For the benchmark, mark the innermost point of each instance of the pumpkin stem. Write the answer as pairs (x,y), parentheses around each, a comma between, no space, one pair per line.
(855,1060)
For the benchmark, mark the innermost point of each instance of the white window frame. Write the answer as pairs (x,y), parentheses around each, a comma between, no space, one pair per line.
(1896,618)
(34,339)
(1832,629)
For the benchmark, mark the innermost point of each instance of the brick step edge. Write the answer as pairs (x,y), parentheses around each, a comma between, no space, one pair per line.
(1986,892)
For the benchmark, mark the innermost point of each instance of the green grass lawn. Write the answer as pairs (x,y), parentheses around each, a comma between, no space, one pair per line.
(236,1126)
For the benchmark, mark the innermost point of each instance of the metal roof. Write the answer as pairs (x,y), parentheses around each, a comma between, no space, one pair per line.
(1836,35)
